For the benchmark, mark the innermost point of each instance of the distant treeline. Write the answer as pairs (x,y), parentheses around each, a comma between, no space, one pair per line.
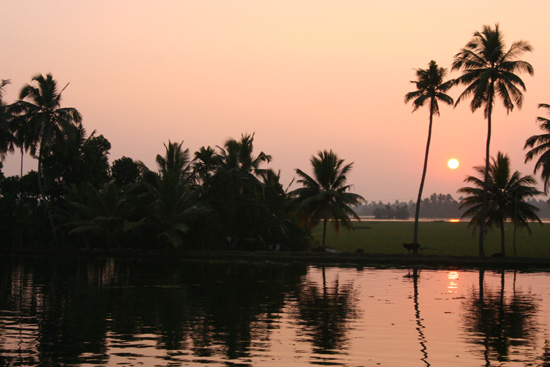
(436,206)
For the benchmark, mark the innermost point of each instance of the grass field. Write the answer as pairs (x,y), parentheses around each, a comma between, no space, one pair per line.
(436,238)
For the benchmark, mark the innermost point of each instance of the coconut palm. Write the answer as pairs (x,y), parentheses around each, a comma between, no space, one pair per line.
(489,73)
(238,161)
(175,162)
(236,191)
(47,121)
(507,195)
(6,118)
(540,145)
(103,214)
(430,88)
(325,196)
(204,164)
(41,104)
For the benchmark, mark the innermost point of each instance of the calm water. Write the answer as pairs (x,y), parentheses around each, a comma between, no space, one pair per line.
(139,313)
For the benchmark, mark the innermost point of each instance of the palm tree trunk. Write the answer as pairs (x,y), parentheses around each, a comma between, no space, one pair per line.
(419,199)
(486,180)
(502,247)
(324,232)
(46,204)
(21,175)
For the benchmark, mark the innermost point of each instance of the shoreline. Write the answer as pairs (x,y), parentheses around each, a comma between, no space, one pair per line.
(305,257)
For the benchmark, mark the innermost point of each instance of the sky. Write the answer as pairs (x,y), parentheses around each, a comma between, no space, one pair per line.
(302,75)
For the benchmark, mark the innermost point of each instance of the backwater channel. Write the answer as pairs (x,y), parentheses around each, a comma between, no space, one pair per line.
(122,312)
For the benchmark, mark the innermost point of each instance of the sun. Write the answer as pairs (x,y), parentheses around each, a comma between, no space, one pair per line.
(453,163)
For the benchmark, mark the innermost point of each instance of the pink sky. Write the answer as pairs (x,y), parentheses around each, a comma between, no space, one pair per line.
(302,75)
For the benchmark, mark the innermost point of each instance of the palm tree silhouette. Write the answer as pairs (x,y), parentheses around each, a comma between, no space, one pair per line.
(430,88)
(506,197)
(238,162)
(175,163)
(542,148)
(325,196)
(489,71)
(6,119)
(204,165)
(93,213)
(47,120)
(172,202)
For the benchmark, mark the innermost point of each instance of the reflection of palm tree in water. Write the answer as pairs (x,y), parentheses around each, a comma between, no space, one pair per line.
(499,324)
(326,313)
(419,327)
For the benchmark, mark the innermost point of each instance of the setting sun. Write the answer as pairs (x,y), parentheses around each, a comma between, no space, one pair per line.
(453,163)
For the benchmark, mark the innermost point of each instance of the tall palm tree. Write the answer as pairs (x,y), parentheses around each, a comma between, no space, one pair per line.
(489,71)
(6,118)
(506,197)
(325,197)
(47,120)
(430,88)
(542,148)
(175,163)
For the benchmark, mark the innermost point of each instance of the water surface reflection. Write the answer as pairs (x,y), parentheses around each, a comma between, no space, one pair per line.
(122,312)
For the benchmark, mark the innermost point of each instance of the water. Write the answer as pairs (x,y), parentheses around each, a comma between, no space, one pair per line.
(143,313)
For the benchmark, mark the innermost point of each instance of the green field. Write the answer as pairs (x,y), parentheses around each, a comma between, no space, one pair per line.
(436,238)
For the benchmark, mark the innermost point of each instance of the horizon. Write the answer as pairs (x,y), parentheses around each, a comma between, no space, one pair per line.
(303,77)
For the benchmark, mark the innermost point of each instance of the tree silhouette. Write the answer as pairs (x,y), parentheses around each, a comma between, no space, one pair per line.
(540,145)
(325,197)
(489,71)
(47,121)
(430,88)
(507,195)
(7,137)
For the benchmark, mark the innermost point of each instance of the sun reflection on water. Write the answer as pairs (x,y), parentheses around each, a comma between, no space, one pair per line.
(453,277)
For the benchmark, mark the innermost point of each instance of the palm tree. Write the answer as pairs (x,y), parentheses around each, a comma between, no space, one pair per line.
(489,71)
(94,213)
(542,148)
(204,165)
(506,197)
(236,191)
(430,88)
(47,120)
(6,117)
(175,163)
(238,161)
(172,203)
(325,197)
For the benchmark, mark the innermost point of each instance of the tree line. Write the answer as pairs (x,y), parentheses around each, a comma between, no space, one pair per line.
(226,192)
(435,206)
(220,197)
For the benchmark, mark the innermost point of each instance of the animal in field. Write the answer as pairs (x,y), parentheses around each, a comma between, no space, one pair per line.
(412,247)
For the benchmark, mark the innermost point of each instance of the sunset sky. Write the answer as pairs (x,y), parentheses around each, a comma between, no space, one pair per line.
(302,75)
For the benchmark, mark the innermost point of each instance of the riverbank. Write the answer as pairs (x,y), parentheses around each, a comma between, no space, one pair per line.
(305,257)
